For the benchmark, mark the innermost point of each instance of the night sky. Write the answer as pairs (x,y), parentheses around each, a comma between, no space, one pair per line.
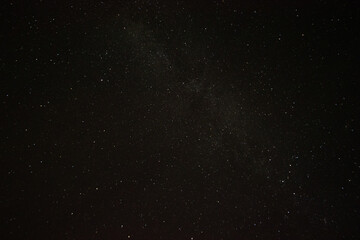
(179,120)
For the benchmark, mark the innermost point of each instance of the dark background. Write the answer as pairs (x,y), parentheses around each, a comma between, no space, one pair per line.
(179,120)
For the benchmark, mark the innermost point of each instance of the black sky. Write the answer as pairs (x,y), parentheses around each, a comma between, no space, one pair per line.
(179,120)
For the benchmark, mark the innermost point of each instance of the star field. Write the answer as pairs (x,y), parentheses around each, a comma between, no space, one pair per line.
(179,120)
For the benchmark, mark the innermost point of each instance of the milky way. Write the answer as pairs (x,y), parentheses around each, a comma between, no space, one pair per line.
(175,120)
